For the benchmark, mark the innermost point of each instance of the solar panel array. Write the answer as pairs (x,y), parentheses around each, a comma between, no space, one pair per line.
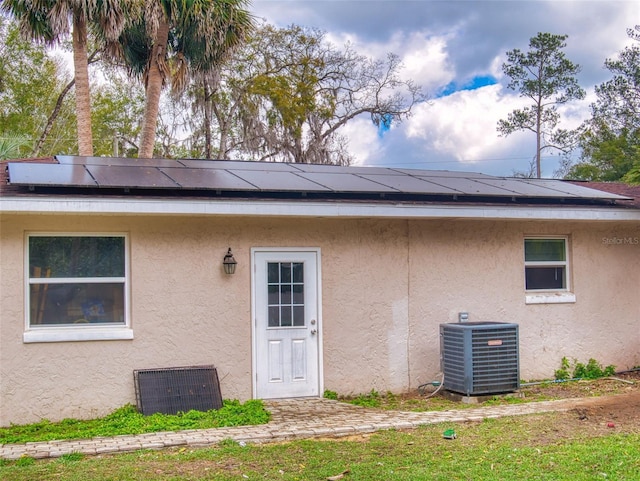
(238,176)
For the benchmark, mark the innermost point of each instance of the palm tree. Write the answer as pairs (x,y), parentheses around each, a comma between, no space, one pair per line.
(50,20)
(175,38)
(12,146)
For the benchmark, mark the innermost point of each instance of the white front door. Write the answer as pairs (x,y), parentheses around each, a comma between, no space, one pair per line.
(286,311)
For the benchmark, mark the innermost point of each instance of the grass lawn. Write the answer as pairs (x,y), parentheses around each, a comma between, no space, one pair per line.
(127,420)
(518,448)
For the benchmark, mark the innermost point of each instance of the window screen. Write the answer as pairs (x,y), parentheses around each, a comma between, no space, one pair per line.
(545,263)
(77,280)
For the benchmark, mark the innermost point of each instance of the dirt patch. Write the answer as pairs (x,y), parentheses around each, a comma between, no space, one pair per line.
(606,406)
(614,412)
(619,384)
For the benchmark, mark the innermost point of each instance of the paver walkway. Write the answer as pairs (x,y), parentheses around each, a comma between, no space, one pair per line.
(291,419)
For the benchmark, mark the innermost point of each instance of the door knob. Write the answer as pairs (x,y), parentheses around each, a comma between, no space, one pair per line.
(313,332)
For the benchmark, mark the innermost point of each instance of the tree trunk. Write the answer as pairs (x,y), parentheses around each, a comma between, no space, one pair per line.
(56,110)
(81,76)
(539,109)
(207,117)
(52,118)
(538,154)
(153,88)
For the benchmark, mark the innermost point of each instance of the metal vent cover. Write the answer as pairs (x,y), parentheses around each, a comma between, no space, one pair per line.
(480,357)
(177,389)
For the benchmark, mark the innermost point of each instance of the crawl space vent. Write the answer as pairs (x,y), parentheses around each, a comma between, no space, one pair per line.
(177,389)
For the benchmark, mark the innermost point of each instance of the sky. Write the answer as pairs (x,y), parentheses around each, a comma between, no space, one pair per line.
(455,50)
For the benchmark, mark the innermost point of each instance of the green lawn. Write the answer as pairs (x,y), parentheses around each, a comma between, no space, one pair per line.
(539,447)
(127,420)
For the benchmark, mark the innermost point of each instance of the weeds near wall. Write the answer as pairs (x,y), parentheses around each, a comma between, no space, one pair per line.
(127,420)
(577,370)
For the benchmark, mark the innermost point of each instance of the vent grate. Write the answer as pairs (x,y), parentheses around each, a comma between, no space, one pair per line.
(177,389)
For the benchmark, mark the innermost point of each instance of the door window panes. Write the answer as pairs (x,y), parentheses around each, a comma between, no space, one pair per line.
(285,294)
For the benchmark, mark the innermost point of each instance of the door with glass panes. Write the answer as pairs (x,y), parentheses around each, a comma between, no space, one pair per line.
(286,323)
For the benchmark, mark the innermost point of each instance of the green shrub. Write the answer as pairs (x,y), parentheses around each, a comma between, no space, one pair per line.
(330,395)
(592,370)
(371,400)
(563,373)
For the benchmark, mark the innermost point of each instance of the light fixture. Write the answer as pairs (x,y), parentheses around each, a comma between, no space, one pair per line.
(229,263)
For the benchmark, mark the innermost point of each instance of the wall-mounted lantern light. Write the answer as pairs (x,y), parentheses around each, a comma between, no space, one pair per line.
(229,263)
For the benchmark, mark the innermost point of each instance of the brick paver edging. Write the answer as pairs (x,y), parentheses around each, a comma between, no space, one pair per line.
(295,419)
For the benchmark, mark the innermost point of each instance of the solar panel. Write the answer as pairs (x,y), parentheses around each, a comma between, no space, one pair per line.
(410,184)
(341,182)
(119,161)
(278,181)
(215,179)
(443,173)
(238,165)
(566,189)
(229,176)
(29,173)
(467,186)
(338,169)
(130,176)
(519,188)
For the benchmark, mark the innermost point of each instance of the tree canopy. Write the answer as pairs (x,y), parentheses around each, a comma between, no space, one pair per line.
(287,93)
(50,21)
(547,78)
(611,140)
(173,39)
(30,83)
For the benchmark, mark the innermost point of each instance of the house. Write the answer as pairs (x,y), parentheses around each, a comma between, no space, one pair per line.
(343,276)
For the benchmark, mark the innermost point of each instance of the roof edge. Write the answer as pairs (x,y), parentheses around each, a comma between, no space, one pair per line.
(275,208)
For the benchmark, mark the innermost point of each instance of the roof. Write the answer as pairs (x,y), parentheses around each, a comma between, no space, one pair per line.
(165,186)
(102,175)
(632,192)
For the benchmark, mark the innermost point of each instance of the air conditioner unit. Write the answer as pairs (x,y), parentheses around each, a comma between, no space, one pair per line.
(480,358)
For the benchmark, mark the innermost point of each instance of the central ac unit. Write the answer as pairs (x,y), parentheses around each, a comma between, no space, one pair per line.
(480,357)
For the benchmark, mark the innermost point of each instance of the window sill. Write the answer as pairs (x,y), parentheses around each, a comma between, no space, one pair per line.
(73,334)
(551,298)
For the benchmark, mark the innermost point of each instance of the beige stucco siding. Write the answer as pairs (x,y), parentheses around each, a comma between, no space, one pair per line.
(386,286)
(477,267)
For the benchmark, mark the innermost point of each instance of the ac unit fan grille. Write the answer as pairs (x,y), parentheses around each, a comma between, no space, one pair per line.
(480,358)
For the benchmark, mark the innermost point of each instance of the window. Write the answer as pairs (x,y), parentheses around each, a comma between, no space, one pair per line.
(285,284)
(545,261)
(77,287)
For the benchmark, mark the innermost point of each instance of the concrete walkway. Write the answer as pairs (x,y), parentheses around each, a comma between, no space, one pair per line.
(291,419)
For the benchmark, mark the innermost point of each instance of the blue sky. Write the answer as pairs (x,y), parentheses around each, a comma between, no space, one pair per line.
(455,50)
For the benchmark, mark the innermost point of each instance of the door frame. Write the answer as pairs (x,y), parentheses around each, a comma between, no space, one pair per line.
(254,323)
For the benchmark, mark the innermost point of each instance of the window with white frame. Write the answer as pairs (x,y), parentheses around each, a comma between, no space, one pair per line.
(545,264)
(76,281)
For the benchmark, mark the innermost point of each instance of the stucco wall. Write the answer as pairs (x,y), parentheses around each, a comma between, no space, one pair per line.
(477,267)
(386,287)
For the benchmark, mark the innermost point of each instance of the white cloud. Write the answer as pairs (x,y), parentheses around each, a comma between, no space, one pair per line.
(364,142)
(452,41)
(426,61)
(463,124)
(424,57)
